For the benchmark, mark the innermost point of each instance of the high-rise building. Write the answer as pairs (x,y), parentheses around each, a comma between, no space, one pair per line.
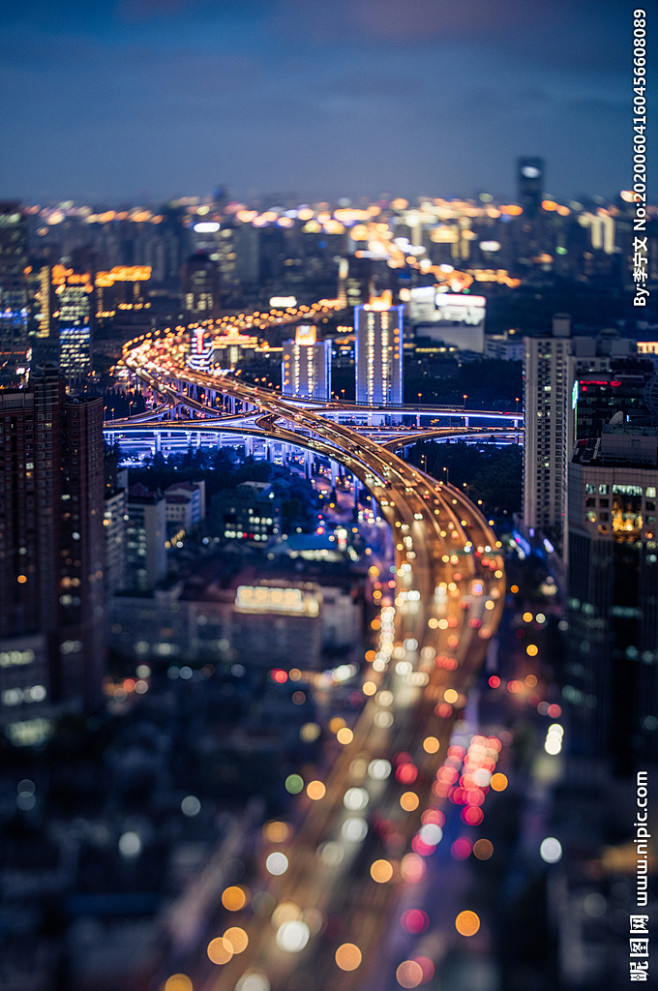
(378,337)
(306,366)
(201,289)
(51,552)
(146,532)
(611,670)
(530,184)
(74,311)
(14,341)
(552,364)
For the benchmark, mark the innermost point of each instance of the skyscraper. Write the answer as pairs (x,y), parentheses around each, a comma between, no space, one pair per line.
(306,366)
(201,288)
(13,293)
(552,365)
(51,551)
(378,333)
(611,672)
(74,312)
(530,184)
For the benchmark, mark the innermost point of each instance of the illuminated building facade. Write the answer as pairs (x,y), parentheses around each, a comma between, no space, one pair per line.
(251,513)
(552,365)
(200,357)
(611,674)
(122,288)
(74,310)
(306,366)
(13,294)
(200,285)
(51,553)
(378,334)
(146,530)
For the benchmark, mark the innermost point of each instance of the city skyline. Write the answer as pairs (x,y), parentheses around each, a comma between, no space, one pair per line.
(157,99)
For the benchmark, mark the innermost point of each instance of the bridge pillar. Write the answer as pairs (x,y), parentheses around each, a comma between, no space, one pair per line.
(308,463)
(466,421)
(158,441)
(334,474)
(248,445)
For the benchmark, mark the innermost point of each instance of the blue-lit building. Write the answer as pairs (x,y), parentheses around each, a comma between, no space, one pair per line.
(378,338)
(13,294)
(306,366)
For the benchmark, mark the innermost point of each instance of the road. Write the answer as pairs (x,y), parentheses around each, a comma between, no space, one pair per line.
(354,829)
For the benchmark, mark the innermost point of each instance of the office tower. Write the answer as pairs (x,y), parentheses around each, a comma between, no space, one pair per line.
(51,551)
(306,366)
(200,288)
(43,330)
(546,389)
(552,364)
(73,310)
(530,184)
(378,333)
(611,672)
(14,342)
(146,529)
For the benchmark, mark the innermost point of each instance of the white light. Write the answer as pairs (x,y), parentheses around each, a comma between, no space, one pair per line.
(431,834)
(379,770)
(206,227)
(130,844)
(550,850)
(331,853)
(356,799)
(277,864)
(354,830)
(253,980)
(293,936)
(190,806)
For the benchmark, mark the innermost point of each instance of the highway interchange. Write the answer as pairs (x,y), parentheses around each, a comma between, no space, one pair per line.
(347,852)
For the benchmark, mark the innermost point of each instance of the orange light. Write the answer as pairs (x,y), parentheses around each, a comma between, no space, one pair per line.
(409,801)
(381,871)
(348,956)
(219,950)
(499,781)
(316,790)
(467,923)
(234,898)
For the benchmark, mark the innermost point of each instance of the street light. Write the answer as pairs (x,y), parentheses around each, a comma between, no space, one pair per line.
(447,475)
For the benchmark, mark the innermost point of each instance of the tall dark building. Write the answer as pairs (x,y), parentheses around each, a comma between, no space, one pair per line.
(611,673)
(51,552)
(530,184)
(13,293)
(201,288)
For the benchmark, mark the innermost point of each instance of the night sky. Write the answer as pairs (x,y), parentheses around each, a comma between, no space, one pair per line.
(144,100)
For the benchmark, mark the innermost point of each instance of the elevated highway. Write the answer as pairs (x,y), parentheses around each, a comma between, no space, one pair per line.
(355,824)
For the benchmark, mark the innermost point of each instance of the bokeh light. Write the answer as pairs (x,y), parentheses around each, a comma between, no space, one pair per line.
(238,939)
(178,982)
(220,950)
(550,850)
(316,790)
(348,956)
(277,863)
(409,801)
(234,898)
(409,974)
(381,871)
(467,923)
(483,849)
